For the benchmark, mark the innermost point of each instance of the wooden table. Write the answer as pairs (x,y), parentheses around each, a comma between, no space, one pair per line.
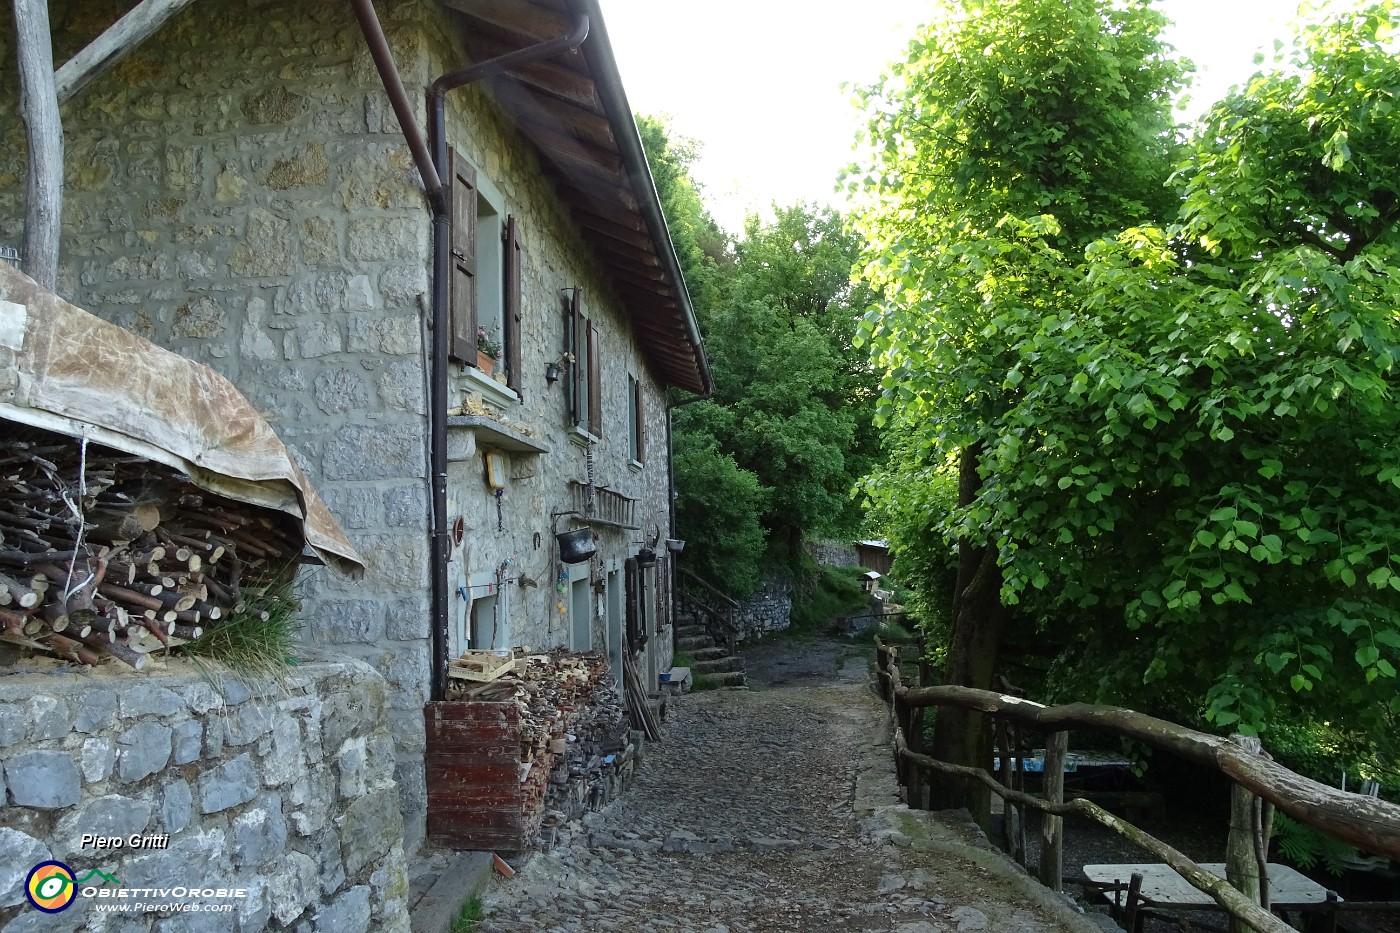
(1163,888)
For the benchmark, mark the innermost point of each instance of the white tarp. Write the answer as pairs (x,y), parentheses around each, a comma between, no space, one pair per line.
(66,370)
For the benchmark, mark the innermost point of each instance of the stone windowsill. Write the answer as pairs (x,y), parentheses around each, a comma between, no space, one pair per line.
(491,433)
(497,393)
(582,437)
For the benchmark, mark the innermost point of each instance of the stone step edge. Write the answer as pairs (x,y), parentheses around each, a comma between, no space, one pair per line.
(465,876)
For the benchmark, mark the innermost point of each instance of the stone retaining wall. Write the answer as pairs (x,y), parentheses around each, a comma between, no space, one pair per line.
(769,609)
(287,793)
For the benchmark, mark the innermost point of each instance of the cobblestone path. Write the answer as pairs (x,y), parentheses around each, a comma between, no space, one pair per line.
(772,809)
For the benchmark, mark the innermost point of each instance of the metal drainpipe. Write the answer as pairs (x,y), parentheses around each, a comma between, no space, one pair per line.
(432,167)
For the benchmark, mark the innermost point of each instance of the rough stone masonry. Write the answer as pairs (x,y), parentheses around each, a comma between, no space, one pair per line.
(283,792)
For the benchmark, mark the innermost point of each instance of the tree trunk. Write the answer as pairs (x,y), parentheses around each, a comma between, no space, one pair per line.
(963,736)
(44,135)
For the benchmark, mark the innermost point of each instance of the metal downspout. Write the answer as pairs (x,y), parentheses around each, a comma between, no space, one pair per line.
(438,546)
(442,293)
(432,166)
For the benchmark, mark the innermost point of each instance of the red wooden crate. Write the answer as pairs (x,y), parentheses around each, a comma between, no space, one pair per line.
(475,797)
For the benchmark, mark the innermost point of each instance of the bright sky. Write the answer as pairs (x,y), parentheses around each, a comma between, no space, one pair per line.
(758,82)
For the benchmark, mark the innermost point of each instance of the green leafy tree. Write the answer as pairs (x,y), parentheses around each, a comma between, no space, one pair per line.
(772,456)
(1183,437)
(1014,134)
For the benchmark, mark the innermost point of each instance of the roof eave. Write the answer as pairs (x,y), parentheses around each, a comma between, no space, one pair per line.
(598,51)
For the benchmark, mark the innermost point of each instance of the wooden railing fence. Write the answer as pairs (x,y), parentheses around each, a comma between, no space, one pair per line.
(715,607)
(1367,822)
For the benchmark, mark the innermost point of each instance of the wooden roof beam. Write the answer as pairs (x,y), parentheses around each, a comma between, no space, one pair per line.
(530,20)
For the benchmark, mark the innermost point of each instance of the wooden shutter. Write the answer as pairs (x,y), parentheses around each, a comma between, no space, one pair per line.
(462,345)
(574,330)
(632,576)
(663,592)
(637,420)
(511,311)
(595,383)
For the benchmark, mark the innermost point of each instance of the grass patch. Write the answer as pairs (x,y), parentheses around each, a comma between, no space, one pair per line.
(256,642)
(470,916)
(704,682)
(681,659)
(831,592)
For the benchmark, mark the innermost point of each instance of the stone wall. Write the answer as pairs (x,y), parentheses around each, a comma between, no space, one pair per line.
(769,609)
(285,792)
(831,552)
(238,191)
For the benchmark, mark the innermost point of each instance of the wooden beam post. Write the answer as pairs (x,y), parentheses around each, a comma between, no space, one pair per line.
(1241,865)
(135,27)
(1052,828)
(38,104)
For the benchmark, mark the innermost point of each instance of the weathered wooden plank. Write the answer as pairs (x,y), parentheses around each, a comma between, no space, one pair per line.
(546,112)
(529,20)
(453,710)
(469,771)
(136,26)
(471,756)
(499,794)
(44,134)
(548,77)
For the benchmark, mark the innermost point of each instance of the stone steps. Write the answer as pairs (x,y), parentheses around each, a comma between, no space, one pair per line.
(717,666)
(708,654)
(691,631)
(694,643)
(727,679)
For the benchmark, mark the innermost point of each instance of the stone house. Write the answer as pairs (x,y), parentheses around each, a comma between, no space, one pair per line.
(239,190)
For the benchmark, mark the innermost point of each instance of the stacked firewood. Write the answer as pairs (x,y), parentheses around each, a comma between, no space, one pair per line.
(104,553)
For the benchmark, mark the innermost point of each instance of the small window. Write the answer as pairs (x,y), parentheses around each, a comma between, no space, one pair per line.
(585,378)
(634,419)
(486,271)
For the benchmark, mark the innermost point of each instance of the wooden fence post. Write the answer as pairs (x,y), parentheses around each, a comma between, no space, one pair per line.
(1241,864)
(1052,828)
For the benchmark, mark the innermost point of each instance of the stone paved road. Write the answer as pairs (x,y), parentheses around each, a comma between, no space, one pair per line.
(773,809)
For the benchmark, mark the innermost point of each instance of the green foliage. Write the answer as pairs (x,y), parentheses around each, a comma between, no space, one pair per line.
(701,246)
(469,917)
(257,642)
(908,499)
(717,510)
(1186,414)
(829,592)
(793,402)
(1305,847)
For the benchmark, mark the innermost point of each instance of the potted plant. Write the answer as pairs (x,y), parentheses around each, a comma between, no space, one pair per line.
(487,352)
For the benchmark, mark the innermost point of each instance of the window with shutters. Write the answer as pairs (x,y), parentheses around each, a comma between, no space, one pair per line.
(634,420)
(585,375)
(486,268)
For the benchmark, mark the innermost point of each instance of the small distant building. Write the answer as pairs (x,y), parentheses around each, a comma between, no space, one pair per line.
(874,554)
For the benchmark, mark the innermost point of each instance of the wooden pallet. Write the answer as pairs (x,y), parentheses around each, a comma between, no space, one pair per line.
(483,666)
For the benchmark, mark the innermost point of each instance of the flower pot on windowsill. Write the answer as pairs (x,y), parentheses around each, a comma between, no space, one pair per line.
(485,363)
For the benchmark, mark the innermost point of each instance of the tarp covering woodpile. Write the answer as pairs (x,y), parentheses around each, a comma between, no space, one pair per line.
(65,370)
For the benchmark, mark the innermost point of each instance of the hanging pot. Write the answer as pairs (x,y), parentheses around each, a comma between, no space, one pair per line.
(576,546)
